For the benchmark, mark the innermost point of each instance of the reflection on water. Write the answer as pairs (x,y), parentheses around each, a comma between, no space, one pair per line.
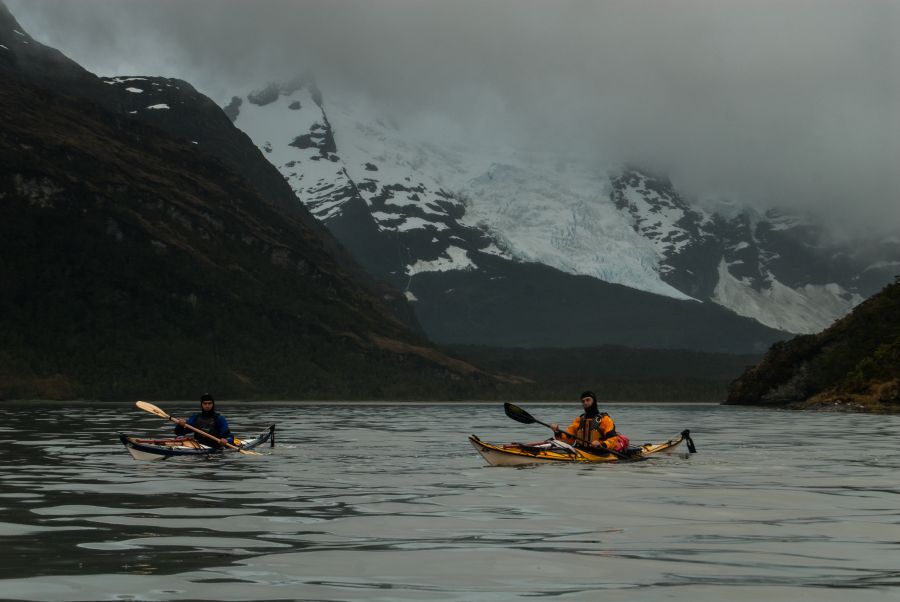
(389,502)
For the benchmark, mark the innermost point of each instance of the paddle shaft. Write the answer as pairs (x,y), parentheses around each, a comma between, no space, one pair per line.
(205,434)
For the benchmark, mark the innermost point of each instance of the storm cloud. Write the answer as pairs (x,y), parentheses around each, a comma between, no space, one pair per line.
(768,102)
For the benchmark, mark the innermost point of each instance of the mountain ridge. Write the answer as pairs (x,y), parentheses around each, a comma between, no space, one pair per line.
(440,205)
(137,265)
(422,233)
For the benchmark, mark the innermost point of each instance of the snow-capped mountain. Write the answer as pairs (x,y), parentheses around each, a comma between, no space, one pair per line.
(444,202)
(771,267)
(405,207)
(489,246)
(407,213)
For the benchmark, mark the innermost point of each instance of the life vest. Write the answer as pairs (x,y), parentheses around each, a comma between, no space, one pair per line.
(599,427)
(210,424)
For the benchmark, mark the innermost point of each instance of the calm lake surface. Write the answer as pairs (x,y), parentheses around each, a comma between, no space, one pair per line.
(390,502)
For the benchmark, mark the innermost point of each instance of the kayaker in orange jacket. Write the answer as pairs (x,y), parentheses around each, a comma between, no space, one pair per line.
(594,426)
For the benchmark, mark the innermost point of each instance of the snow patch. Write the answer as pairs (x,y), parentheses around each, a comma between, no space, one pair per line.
(653,214)
(134,90)
(417,223)
(493,249)
(456,259)
(159,106)
(567,222)
(804,310)
(119,80)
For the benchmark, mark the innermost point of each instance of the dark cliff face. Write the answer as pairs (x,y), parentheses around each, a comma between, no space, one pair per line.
(176,108)
(854,364)
(198,119)
(136,264)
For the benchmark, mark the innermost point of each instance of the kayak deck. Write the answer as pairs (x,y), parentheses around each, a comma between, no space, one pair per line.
(554,452)
(160,449)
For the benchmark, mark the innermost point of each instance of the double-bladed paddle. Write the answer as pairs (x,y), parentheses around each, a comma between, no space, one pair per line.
(520,415)
(149,407)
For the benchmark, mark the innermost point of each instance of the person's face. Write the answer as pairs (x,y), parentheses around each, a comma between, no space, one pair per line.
(206,405)
(586,402)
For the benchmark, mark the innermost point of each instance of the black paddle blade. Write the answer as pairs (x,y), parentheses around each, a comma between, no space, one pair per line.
(518,414)
(686,434)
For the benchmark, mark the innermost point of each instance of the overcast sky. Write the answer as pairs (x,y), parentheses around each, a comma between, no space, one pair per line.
(769,101)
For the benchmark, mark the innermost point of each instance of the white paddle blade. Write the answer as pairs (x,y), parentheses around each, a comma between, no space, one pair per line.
(149,407)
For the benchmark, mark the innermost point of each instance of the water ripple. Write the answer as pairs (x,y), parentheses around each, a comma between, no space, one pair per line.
(389,502)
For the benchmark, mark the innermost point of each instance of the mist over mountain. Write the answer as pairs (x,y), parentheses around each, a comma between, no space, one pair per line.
(413,211)
(539,239)
(766,104)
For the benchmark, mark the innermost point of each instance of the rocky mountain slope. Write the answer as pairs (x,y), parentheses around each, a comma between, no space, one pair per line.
(854,364)
(489,253)
(777,268)
(138,264)
(407,208)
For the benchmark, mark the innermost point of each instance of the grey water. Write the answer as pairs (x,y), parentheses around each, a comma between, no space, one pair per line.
(390,502)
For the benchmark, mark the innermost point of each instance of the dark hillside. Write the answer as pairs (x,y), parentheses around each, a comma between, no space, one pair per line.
(135,265)
(853,364)
(614,373)
(192,118)
(515,304)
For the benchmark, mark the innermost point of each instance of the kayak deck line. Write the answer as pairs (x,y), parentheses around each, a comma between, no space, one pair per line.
(185,441)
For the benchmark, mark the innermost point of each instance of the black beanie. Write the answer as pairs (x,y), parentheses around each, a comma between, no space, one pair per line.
(592,410)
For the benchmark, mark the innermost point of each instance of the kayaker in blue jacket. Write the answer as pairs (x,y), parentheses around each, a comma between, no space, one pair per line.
(207,419)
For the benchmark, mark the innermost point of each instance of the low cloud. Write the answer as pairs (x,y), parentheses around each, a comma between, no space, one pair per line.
(767,102)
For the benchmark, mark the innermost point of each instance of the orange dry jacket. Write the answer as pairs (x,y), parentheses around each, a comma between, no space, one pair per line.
(591,430)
